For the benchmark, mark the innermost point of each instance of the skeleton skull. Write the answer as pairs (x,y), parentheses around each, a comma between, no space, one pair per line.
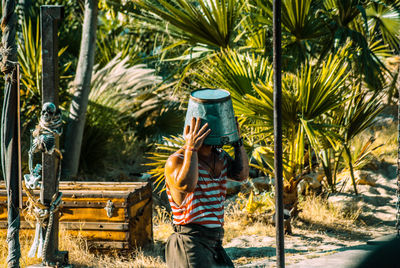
(48,111)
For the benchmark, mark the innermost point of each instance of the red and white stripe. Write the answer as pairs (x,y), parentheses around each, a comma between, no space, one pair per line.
(204,206)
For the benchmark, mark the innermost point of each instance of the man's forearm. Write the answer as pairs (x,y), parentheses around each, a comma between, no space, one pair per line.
(188,175)
(240,165)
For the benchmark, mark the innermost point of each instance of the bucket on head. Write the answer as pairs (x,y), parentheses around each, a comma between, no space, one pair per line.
(214,106)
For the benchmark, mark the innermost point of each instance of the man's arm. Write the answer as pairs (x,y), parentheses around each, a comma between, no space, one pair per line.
(182,174)
(239,167)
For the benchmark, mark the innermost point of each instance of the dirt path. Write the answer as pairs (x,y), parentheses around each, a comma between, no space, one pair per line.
(309,241)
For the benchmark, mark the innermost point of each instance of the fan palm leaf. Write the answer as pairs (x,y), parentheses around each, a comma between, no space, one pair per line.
(118,86)
(159,158)
(210,23)
(385,20)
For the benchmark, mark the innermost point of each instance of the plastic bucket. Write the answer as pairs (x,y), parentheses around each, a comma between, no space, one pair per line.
(214,106)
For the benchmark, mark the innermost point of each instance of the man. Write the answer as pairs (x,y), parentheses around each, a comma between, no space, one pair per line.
(196,187)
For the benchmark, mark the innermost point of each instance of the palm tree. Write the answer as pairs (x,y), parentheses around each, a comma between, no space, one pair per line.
(76,120)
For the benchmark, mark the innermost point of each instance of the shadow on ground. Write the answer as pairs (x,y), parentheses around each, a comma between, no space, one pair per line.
(340,232)
(257,252)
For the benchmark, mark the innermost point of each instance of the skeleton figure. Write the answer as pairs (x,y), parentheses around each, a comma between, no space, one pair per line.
(44,140)
(44,136)
(32,180)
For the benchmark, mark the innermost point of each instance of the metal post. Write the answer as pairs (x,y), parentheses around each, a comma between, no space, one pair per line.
(50,16)
(280,248)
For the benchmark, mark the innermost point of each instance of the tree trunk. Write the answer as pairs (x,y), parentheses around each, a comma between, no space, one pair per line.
(81,89)
(347,149)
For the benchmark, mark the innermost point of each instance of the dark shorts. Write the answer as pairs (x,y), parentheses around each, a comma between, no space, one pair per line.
(195,246)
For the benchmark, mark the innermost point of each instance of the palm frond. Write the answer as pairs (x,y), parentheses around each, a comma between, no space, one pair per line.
(385,20)
(159,158)
(202,22)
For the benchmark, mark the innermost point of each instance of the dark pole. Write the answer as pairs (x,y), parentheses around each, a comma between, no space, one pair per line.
(50,16)
(9,129)
(280,247)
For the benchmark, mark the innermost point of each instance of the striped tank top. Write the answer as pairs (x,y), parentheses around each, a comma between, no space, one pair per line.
(204,206)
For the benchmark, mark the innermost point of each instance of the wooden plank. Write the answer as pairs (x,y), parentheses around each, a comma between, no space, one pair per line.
(95,190)
(78,202)
(92,215)
(90,235)
(99,226)
(97,194)
(91,203)
(131,186)
(93,235)
(140,222)
(94,196)
(109,245)
(73,185)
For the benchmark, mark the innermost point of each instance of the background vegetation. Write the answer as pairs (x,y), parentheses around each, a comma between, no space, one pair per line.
(340,71)
(337,77)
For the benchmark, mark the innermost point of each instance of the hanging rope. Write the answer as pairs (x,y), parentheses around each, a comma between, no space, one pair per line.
(44,141)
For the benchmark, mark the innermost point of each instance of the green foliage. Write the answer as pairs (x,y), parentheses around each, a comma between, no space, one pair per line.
(210,23)
(114,36)
(307,98)
(361,153)
(333,54)
(124,99)
(384,19)
(352,119)
(69,28)
(257,203)
(30,60)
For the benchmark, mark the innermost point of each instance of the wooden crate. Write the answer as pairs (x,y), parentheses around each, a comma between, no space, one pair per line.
(83,213)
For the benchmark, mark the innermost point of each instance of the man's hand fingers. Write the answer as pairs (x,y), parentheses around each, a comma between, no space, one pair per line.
(196,128)
(187,129)
(202,137)
(203,128)
(193,123)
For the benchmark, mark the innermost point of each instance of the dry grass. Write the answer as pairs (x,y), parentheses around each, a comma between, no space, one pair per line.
(317,210)
(238,223)
(81,256)
(388,138)
(162,227)
(26,241)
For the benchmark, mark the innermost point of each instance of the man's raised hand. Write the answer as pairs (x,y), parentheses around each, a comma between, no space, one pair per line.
(194,135)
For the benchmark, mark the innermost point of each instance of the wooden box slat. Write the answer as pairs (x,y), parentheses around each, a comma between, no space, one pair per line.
(82,213)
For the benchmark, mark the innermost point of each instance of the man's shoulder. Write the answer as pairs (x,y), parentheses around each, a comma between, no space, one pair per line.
(176,157)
